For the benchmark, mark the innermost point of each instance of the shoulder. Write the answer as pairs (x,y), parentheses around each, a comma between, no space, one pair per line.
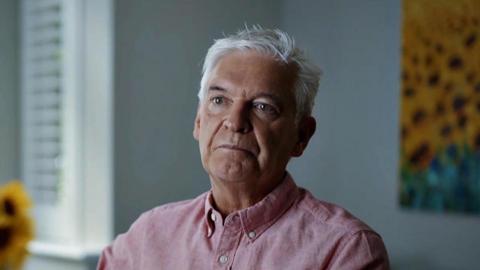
(352,243)
(329,215)
(174,210)
(180,205)
(128,249)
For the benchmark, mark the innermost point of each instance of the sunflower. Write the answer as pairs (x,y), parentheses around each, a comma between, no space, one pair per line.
(16,225)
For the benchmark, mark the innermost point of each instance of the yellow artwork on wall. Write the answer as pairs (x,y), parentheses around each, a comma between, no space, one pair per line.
(440,105)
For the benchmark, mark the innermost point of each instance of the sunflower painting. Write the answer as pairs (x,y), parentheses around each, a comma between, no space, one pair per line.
(440,106)
(16,227)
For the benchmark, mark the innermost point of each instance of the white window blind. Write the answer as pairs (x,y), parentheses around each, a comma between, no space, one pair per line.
(43,99)
(51,107)
(67,122)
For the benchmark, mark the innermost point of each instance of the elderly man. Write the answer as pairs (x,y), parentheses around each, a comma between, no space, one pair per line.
(254,114)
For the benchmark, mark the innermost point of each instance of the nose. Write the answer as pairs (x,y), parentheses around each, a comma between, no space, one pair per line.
(237,119)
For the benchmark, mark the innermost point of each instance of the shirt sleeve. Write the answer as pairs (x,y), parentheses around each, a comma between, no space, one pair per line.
(126,250)
(363,250)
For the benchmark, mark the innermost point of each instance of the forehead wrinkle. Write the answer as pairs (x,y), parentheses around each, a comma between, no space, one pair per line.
(235,74)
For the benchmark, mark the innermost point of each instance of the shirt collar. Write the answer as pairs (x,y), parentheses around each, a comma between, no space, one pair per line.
(258,217)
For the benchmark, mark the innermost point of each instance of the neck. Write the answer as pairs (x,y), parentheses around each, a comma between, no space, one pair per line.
(230,196)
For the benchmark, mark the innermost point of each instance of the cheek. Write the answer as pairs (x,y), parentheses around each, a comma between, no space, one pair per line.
(268,144)
(203,142)
(204,139)
(275,143)
(207,134)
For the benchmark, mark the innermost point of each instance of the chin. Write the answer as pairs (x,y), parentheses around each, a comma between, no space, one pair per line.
(231,171)
(230,174)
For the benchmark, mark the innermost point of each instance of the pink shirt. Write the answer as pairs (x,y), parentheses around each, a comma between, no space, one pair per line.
(288,229)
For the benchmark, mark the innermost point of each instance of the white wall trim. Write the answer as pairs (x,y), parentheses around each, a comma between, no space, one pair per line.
(66,252)
(98,125)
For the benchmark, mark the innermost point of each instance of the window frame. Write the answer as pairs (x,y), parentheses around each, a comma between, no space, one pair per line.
(82,220)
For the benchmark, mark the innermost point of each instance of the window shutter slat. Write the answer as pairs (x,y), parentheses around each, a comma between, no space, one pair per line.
(43,104)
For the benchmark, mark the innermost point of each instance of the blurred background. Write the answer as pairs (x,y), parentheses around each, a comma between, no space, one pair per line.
(125,84)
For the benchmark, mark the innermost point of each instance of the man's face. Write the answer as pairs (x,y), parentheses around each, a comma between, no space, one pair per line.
(245,125)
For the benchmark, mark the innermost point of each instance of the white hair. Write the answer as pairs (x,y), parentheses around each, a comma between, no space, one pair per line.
(275,43)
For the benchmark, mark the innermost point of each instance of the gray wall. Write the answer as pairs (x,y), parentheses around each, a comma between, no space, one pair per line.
(352,160)
(9,92)
(353,157)
(159,46)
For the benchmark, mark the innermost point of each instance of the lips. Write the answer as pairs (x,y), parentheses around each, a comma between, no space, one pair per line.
(235,148)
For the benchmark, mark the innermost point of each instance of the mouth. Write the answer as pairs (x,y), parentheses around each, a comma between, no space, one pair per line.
(234,148)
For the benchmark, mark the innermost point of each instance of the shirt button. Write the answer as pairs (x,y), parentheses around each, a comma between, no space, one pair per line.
(252,235)
(223,259)
(213,217)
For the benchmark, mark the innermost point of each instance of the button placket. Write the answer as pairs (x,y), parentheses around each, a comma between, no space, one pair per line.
(229,241)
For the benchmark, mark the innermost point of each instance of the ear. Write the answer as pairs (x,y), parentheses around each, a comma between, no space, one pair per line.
(196,124)
(306,129)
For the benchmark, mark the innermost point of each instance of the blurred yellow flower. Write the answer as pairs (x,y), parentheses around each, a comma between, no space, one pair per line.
(16,225)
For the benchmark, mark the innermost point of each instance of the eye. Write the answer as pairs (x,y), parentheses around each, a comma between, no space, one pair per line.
(218,103)
(265,108)
(217,100)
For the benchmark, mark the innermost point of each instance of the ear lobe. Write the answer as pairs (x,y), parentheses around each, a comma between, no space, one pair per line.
(306,130)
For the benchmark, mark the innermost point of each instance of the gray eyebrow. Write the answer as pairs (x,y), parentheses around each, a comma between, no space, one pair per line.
(217,88)
(273,97)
